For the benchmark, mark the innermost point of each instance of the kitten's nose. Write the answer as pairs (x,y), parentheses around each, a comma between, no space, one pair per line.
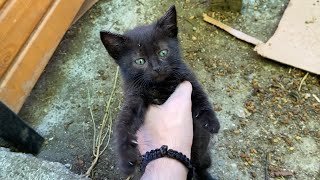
(156,69)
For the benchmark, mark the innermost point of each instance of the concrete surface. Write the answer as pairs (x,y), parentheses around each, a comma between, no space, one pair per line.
(257,100)
(19,166)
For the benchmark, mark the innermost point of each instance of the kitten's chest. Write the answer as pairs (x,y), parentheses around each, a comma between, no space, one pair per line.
(160,92)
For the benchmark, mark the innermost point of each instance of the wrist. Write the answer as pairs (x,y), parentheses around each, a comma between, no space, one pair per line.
(184,149)
(165,168)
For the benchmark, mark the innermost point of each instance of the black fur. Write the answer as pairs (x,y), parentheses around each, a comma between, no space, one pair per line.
(152,83)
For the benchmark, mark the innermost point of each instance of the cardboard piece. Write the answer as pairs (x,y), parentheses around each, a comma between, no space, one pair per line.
(296,42)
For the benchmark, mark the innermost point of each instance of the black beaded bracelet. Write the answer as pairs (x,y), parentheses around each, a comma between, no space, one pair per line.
(165,152)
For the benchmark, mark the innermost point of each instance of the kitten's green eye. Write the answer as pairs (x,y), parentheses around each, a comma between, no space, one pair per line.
(163,53)
(140,61)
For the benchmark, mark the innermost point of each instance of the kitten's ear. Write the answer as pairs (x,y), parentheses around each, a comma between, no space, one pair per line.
(114,43)
(168,22)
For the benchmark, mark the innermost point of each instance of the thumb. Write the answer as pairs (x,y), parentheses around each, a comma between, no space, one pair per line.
(181,96)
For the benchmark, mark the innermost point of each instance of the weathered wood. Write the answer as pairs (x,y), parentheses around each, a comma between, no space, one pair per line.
(20,78)
(2,3)
(17,21)
(234,32)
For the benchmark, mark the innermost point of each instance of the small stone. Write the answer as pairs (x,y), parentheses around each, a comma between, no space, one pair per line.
(101,72)
(298,137)
(307,95)
(194,38)
(291,148)
(250,106)
(285,121)
(253,151)
(191,17)
(251,76)
(241,113)
(243,155)
(236,131)
(288,141)
(217,108)
(253,174)
(318,134)
(104,77)
(194,28)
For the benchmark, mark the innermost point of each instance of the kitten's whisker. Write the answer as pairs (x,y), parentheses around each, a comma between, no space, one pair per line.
(137,80)
(134,84)
(143,83)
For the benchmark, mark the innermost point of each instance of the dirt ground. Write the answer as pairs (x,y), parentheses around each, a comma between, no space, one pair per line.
(267,124)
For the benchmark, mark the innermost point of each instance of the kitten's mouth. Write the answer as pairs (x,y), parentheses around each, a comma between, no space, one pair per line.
(160,77)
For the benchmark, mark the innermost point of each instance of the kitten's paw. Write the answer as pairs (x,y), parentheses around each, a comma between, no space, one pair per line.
(128,156)
(212,127)
(127,167)
(209,121)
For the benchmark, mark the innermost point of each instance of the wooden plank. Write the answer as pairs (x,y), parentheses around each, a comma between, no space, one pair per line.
(30,62)
(17,21)
(2,3)
(234,32)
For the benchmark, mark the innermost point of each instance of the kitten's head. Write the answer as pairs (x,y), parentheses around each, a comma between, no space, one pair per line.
(150,53)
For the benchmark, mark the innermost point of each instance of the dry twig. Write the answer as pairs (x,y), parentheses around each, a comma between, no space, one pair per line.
(98,140)
(316,97)
(266,176)
(283,173)
(303,79)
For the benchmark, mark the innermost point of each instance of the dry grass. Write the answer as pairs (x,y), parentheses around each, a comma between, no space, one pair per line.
(105,130)
(303,79)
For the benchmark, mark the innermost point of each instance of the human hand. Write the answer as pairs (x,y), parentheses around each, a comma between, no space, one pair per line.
(169,124)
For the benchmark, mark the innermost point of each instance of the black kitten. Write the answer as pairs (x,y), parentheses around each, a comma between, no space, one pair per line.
(151,67)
